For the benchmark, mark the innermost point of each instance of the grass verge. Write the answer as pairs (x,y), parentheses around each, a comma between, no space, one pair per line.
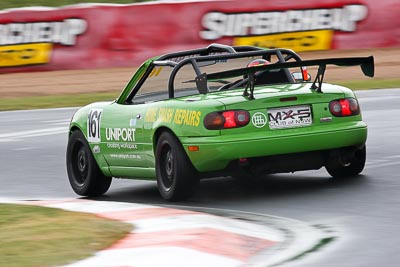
(39,236)
(54,101)
(75,100)
(370,84)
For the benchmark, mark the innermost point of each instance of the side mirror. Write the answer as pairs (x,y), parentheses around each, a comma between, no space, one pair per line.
(298,77)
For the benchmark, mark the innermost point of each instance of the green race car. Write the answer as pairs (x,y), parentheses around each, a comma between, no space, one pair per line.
(219,111)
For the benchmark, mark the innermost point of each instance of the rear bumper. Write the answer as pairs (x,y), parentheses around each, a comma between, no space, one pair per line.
(216,152)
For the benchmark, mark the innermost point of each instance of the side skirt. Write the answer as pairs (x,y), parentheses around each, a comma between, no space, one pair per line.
(133,172)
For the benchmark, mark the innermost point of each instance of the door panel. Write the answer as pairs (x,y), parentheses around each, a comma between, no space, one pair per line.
(122,135)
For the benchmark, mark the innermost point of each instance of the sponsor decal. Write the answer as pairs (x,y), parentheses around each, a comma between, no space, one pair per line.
(326,119)
(113,145)
(122,145)
(165,114)
(25,54)
(155,72)
(298,41)
(176,116)
(187,117)
(259,120)
(179,59)
(93,125)
(32,42)
(151,115)
(96,149)
(305,29)
(120,134)
(288,117)
(125,156)
(128,146)
(159,114)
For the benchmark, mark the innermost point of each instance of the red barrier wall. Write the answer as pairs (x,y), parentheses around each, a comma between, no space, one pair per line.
(91,36)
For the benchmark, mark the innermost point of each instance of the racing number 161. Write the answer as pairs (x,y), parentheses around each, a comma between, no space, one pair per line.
(93,125)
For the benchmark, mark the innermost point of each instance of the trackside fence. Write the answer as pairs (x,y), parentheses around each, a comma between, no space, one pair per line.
(93,36)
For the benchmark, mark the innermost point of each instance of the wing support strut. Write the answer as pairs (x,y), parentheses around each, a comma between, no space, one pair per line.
(319,78)
(250,85)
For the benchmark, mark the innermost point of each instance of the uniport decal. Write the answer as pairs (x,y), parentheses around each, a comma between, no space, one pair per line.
(120,134)
(303,29)
(125,156)
(31,43)
(122,145)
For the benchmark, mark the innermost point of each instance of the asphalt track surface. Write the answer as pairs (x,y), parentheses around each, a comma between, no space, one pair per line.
(363,212)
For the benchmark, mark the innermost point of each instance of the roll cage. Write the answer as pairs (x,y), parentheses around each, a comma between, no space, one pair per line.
(217,52)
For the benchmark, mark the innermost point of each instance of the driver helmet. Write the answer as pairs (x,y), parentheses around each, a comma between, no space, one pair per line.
(258,62)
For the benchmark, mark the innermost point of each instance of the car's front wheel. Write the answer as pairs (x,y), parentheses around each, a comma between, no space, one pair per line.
(176,176)
(352,168)
(84,175)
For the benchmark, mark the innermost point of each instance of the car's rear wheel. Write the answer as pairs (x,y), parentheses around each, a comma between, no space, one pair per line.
(84,175)
(176,176)
(352,168)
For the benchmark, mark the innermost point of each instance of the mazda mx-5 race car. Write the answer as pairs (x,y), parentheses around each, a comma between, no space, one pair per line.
(219,111)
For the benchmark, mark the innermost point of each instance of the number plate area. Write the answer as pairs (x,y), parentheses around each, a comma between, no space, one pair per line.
(289,117)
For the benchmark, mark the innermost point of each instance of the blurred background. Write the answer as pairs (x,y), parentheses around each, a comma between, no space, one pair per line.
(69,53)
(73,52)
(35,35)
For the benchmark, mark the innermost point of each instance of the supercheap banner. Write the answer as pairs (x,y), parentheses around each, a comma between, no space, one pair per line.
(93,36)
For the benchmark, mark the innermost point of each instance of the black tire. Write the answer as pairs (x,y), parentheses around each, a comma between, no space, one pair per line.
(176,176)
(84,174)
(354,168)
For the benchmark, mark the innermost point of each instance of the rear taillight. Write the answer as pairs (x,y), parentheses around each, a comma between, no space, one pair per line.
(226,119)
(344,107)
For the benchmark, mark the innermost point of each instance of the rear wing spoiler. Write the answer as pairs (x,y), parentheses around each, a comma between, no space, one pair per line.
(366,63)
